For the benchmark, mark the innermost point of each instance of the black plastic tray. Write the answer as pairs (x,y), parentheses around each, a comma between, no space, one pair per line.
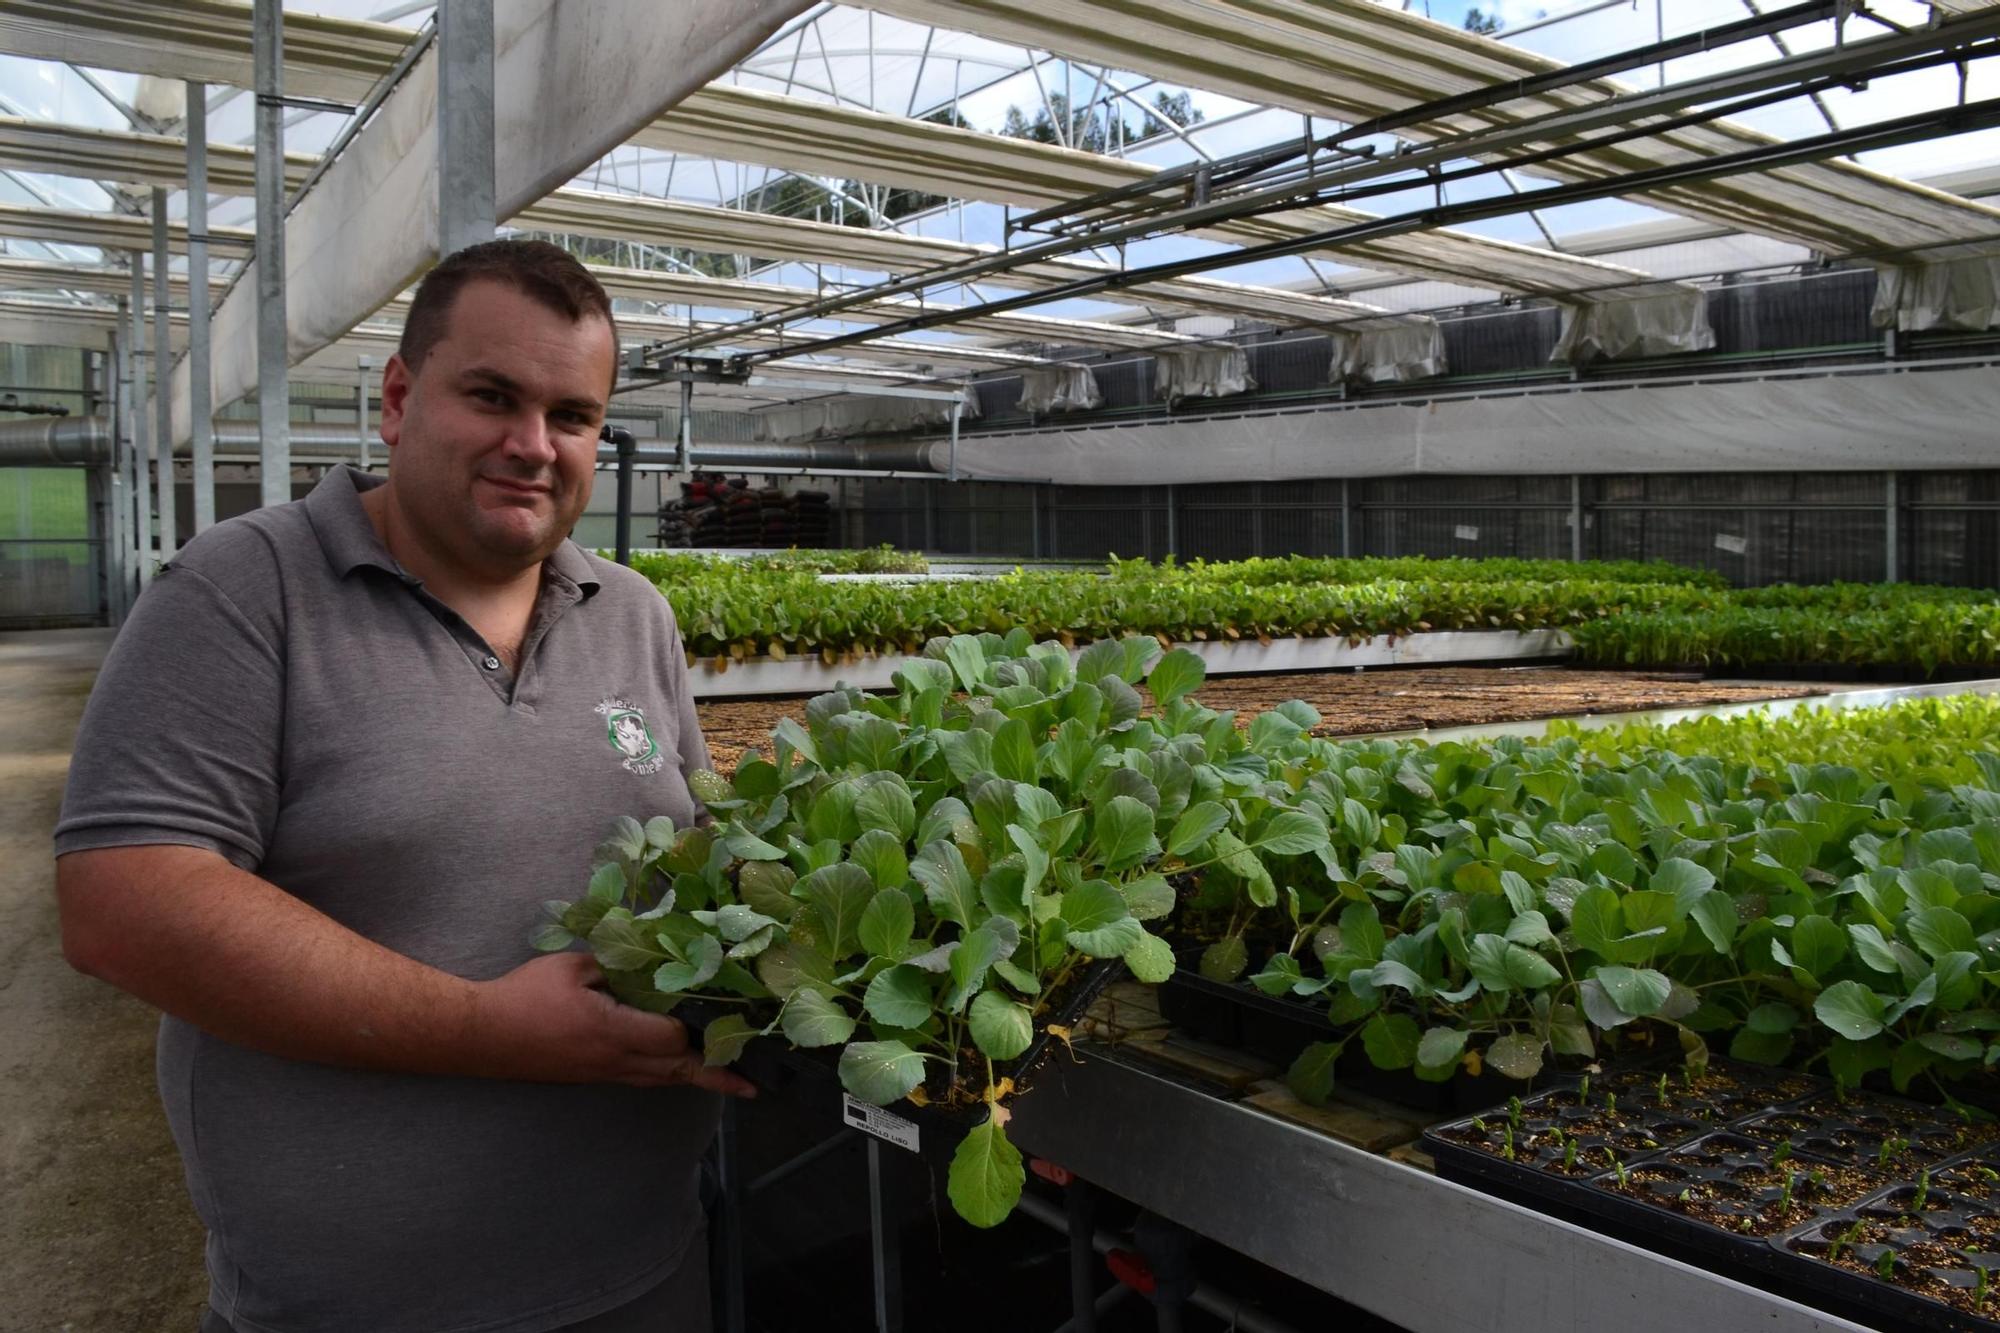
(811,1078)
(1237,1015)
(1854,1129)
(1961,1212)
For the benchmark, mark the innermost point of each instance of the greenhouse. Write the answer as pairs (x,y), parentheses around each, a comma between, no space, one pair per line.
(1094,665)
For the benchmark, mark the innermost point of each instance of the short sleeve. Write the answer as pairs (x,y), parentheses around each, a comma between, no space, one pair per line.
(182,739)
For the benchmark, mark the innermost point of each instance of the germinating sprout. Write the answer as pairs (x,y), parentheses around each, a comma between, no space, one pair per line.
(1886,1265)
(1569,1156)
(1624,1177)
(1479,1124)
(1514,1111)
(1785,1198)
(1782,1153)
(1979,1281)
(1987,1174)
(1890,1148)
(1923,1192)
(1507,1146)
(1611,1101)
(1842,1241)
(1583,1090)
(1663,1089)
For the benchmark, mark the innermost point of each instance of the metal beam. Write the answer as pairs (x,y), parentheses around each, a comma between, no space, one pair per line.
(200,409)
(141,491)
(274,413)
(465,124)
(163,398)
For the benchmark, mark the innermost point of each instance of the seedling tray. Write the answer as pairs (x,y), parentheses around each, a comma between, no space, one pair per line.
(1935,1250)
(810,1079)
(1869,1129)
(1475,1148)
(1237,1015)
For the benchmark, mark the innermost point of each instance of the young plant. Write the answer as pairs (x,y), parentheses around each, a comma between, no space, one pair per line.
(1843,1241)
(1785,1197)
(1922,1192)
(1569,1155)
(1980,1281)
(1885,1264)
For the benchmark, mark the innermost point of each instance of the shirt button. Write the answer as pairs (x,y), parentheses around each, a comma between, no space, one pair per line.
(492,664)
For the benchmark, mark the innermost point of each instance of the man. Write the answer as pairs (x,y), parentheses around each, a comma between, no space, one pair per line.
(336,760)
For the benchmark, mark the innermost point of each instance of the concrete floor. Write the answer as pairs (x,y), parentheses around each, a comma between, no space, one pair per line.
(96,1232)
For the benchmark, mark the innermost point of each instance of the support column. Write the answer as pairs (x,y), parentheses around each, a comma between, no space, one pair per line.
(163,397)
(201,410)
(361,439)
(1346,519)
(142,503)
(684,464)
(1576,518)
(118,536)
(1173,523)
(466,204)
(951,458)
(1892,514)
(274,398)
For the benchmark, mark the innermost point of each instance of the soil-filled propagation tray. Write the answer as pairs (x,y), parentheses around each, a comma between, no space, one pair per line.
(1881,1209)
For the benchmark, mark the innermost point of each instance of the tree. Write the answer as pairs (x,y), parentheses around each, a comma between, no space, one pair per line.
(1476,21)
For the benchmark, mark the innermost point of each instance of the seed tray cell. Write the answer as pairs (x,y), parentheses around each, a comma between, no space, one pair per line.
(1870,1130)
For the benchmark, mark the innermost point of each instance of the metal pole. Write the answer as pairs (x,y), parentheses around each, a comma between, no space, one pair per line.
(1576,518)
(1891,523)
(362,365)
(142,500)
(1346,519)
(886,1249)
(627,447)
(119,536)
(201,410)
(686,431)
(951,459)
(466,202)
(729,1232)
(1173,534)
(163,385)
(274,412)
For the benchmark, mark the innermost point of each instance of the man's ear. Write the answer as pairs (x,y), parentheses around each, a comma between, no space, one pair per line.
(397,384)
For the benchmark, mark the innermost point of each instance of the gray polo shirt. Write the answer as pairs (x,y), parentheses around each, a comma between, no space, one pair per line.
(285,695)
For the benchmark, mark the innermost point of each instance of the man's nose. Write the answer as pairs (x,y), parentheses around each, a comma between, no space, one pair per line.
(529,439)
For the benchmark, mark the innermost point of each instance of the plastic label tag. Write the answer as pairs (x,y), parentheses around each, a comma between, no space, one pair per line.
(1730,542)
(874,1120)
(1465,532)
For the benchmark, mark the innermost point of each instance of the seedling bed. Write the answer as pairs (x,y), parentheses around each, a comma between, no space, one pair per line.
(1919,1255)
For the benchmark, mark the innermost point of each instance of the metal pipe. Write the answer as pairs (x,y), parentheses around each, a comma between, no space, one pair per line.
(163,383)
(361,439)
(1576,518)
(201,407)
(1204,1297)
(142,503)
(626,449)
(1892,542)
(684,430)
(466,200)
(118,366)
(951,463)
(274,413)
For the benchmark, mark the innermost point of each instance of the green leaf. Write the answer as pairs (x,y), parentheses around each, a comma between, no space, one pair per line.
(1939,931)
(1818,944)
(1685,881)
(1851,1009)
(1001,1028)
(551,936)
(985,1178)
(1149,897)
(948,884)
(969,963)
(1311,1075)
(1392,1040)
(880,1072)
(1637,992)
(623,945)
(1596,921)
(1530,929)
(1441,1048)
(724,1039)
(899,996)
(1176,674)
(607,883)
(1197,824)
(880,853)
(1950,1046)
(1097,920)
(1517,1055)
(1123,833)
(839,895)
(1761,1048)
(1772,1020)
(1150,959)
(1501,966)
(701,959)
(888,808)
(814,1018)
(1225,959)
(886,924)
(767,886)
(1014,752)
(1292,833)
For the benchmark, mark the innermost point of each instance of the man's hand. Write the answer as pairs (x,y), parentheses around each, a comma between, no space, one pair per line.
(551,1021)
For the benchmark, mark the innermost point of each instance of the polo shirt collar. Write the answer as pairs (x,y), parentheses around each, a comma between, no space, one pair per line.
(350,541)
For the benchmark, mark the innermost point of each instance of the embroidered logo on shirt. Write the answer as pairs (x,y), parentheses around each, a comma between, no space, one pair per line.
(625,726)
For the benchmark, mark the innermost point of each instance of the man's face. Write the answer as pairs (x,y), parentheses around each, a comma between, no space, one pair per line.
(494,439)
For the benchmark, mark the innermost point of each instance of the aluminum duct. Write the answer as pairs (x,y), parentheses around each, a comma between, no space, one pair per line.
(58,442)
(86,442)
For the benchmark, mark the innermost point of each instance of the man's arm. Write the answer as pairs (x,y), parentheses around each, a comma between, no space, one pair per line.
(234,955)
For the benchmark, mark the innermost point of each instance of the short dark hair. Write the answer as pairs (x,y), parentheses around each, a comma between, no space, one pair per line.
(546,274)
